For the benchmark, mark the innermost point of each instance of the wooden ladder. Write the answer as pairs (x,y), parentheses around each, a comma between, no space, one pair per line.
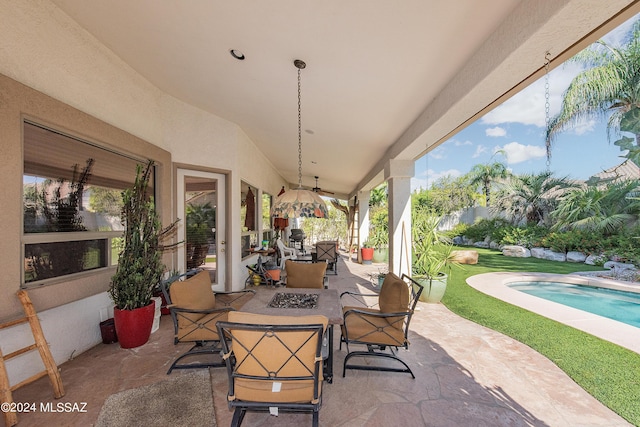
(354,242)
(11,418)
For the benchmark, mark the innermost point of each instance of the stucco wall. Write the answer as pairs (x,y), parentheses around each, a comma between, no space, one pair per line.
(54,72)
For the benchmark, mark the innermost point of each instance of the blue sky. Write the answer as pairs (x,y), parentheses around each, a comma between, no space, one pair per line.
(517,128)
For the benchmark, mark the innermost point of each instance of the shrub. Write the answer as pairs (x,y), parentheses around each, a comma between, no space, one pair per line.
(528,236)
(459,229)
(484,228)
(588,242)
(624,246)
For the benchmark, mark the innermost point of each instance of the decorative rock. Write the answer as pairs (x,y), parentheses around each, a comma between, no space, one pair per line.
(554,256)
(575,256)
(494,245)
(537,252)
(595,259)
(516,251)
(614,265)
(465,257)
(458,240)
(481,245)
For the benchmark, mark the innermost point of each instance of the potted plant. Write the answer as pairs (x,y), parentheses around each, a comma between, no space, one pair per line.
(379,239)
(380,276)
(432,255)
(366,252)
(379,234)
(140,267)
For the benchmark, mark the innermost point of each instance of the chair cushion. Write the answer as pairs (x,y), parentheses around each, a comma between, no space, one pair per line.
(305,275)
(394,298)
(194,293)
(274,355)
(394,295)
(372,329)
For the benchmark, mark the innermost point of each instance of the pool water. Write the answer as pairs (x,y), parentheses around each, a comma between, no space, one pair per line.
(617,305)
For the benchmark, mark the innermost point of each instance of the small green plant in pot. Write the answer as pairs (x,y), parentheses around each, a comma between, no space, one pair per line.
(432,255)
(140,267)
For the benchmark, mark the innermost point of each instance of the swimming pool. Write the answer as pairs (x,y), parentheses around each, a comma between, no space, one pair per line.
(617,305)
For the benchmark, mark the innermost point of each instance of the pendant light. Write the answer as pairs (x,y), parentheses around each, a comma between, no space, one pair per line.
(299,202)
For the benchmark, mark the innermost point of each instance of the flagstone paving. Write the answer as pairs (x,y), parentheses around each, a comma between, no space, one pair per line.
(466,375)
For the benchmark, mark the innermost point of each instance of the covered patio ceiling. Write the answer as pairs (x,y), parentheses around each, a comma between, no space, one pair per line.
(384,80)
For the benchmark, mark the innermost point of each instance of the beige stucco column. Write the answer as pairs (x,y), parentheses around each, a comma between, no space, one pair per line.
(363,218)
(398,174)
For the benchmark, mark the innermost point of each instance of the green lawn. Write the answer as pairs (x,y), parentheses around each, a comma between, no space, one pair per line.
(609,372)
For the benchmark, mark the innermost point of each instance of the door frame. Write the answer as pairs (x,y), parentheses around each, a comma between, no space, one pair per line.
(182,171)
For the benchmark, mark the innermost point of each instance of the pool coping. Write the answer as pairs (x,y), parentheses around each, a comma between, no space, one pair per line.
(495,285)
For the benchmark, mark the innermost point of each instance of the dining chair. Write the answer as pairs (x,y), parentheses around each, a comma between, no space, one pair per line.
(327,251)
(274,363)
(382,330)
(195,309)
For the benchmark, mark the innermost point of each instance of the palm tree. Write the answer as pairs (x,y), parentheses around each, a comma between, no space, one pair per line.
(609,87)
(607,209)
(485,175)
(378,196)
(531,197)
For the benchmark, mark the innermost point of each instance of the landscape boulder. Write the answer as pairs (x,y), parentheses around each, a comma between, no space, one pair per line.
(516,251)
(537,252)
(465,257)
(594,259)
(618,266)
(554,256)
(575,256)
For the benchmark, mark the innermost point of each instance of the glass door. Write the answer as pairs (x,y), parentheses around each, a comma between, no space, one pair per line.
(201,208)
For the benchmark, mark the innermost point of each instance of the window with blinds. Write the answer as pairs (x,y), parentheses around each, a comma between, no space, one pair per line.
(71,204)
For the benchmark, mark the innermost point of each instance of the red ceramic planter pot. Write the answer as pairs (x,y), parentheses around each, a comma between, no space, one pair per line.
(367,255)
(133,327)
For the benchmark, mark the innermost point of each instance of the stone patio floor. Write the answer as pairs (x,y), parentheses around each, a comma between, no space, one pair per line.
(466,375)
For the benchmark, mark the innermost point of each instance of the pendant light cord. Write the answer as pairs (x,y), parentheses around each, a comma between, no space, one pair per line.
(299,131)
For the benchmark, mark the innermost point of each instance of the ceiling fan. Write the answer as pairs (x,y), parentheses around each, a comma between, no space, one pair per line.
(320,190)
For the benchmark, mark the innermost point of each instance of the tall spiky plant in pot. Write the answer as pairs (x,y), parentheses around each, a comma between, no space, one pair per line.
(432,257)
(140,266)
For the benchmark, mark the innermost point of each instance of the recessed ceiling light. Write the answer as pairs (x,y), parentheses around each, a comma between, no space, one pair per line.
(237,54)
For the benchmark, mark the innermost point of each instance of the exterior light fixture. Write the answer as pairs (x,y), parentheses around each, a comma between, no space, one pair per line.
(299,202)
(237,54)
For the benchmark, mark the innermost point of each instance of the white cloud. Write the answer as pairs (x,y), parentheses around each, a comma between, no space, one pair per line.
(518,153)
(438,153)
(528,106)
(430,176)
(619,35)
(584,127)
(496,131)
(461,143)
(479,150)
